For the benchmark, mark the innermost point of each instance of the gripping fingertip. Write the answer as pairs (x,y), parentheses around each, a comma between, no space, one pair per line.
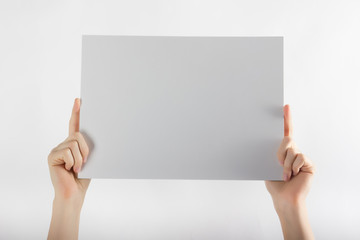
(285,177)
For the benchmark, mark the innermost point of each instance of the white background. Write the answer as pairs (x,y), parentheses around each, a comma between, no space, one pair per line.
(40,49)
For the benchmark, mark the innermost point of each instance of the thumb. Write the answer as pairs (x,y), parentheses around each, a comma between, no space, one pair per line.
(74,123)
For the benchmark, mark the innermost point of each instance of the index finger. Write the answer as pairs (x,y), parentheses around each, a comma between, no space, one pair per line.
(288,125)
(74,123)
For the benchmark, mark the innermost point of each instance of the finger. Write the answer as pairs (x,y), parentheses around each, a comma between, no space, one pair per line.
(298,164)
(59,157)
(74,123)
(286,143)
(289,160)
(84,148)
(75,150)
(288,125)
(303,164)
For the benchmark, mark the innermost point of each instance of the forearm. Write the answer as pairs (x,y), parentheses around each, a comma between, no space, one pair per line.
(65,219)
(294,221)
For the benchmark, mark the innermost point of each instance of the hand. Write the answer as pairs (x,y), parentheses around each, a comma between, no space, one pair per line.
(65,162)
(289,195)
(298,169)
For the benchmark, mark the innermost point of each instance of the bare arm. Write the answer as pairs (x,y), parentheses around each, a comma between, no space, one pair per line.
(294,221)
(65,220)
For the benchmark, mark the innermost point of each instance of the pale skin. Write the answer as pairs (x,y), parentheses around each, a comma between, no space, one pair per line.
(66,160)
(289,196)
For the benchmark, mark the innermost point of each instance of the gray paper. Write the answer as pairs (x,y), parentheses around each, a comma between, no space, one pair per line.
(182,107)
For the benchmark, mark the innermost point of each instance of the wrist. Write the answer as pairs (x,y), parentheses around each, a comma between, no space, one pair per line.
(65,218)
(283,206)
(291,212)
(294,219)
(73,204)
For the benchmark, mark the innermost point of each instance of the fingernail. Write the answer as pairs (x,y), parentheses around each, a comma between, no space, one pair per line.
(285,176)
(85,159)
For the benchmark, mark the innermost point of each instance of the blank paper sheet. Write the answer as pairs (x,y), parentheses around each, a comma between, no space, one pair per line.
(156,107)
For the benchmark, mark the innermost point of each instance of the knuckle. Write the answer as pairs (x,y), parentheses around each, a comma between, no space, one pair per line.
(291,150)
(73,144)
(49,157)
(68,154)
(288,139)
(72,136)
(301,157)
(290,153)
(78,134)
